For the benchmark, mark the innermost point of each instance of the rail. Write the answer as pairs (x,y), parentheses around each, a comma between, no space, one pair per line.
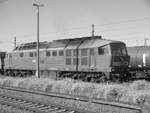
(33,106)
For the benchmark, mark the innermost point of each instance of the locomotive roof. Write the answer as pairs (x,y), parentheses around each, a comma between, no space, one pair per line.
(94,43)
(59,44)
(72,42)
(62,43)
(32,45)
(89,43)
(84,42)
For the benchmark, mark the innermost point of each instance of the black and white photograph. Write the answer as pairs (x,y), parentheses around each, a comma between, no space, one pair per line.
(75,56)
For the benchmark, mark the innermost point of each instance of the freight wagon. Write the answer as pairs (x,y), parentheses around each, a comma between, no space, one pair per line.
(139,62)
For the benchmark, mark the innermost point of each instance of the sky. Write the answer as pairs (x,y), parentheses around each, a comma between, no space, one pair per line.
(123,20)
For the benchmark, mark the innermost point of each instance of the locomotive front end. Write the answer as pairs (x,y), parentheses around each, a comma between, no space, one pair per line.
(119,60)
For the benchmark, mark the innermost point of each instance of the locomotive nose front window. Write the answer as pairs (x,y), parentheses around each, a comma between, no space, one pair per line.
(118,50)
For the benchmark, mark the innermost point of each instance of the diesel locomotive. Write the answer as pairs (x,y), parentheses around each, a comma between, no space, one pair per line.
(87,58)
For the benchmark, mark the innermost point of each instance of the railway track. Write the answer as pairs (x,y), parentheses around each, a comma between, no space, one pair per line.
(33,106)
(42,102)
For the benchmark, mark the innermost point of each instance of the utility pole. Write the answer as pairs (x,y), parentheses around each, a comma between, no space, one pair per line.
(145,41)
(37,61)
(92,30)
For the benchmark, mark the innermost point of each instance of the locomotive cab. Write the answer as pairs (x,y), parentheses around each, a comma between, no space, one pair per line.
(120,58)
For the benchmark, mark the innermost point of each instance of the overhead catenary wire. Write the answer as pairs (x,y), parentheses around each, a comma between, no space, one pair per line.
(97,26)
(124,22)
(99,30)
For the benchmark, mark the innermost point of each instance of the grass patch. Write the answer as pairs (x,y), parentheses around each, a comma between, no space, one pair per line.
(136,92)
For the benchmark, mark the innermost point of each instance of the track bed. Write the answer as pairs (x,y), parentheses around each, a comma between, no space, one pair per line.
(65,103)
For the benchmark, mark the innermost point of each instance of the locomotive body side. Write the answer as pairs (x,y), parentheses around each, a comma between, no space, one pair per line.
(89,57)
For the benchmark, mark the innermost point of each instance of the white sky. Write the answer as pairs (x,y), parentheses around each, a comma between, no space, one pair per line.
(124,20)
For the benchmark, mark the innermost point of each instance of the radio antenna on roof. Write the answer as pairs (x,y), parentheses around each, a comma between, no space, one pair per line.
(92,30)
(15,42)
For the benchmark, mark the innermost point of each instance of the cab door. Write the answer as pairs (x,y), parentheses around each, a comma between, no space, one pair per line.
(8,61)
(103,58)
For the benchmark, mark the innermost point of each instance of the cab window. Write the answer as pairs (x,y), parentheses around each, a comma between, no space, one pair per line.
(118,49)
(103,50)
(100,51)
